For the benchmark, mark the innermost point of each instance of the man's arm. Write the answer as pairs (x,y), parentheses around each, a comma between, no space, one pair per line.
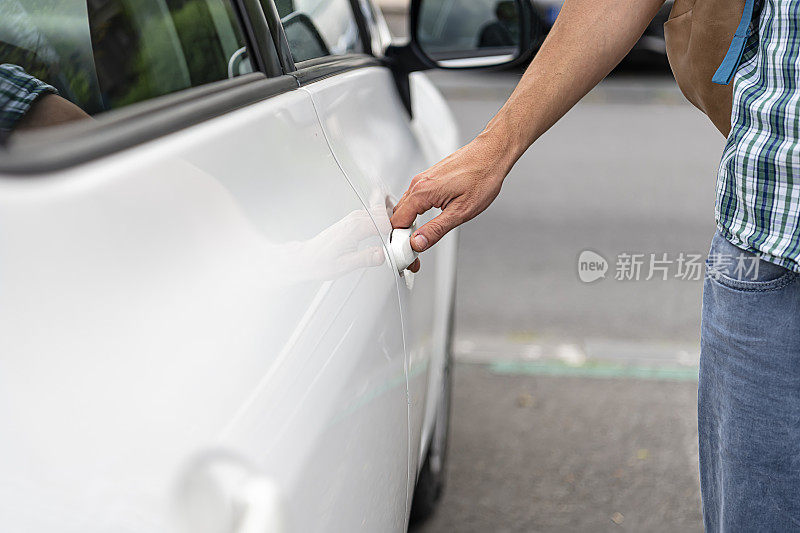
(50,110)
(589,38)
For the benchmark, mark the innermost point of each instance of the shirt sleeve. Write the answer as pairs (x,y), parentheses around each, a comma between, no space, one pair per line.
(18,91)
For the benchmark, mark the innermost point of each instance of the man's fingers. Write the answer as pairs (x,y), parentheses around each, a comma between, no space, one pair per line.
(407,210)
(430,233)
(406,194)
(414,266)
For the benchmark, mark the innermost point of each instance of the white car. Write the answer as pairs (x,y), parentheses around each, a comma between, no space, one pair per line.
(206,321)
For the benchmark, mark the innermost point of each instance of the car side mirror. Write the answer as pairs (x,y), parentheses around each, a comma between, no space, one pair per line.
(462,34)
(303,37)
(459,34)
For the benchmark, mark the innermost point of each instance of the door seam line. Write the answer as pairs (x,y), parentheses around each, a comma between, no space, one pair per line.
(406,360)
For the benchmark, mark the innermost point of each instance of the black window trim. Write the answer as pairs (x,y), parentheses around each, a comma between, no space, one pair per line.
(363,26)
(321,68)
(278,36)
(259,37)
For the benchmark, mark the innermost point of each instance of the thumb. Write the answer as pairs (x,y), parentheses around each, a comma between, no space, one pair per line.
(430,233)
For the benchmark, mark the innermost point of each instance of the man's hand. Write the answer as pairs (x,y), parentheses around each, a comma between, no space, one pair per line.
(462,185)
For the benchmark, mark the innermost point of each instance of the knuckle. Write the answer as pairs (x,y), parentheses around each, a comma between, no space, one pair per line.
(436,228)
(420,182)
(419,199)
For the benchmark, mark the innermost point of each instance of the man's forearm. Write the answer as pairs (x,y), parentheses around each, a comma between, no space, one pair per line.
(589,38)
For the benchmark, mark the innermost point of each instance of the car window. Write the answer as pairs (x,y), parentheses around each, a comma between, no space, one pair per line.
(318,28)
(380,36)
(99,55)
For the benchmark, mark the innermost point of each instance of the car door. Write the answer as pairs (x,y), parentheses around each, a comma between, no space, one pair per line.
(380,147)
(198,323)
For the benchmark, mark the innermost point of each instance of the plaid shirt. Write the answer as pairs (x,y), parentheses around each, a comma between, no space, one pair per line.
(758,185)
(18,91)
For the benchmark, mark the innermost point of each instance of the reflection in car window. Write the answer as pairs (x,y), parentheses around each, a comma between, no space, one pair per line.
(318,28)
(98,55)
(465,26)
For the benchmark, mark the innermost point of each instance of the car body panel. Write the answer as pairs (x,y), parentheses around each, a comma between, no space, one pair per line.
(166,307)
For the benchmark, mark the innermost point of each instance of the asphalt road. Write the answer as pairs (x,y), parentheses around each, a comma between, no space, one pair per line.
(575,402)
(565,454)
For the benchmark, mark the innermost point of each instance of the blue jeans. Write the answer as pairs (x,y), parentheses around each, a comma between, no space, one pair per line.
(749,395)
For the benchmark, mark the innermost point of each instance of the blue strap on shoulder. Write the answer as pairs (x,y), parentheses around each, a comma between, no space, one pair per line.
(727,68)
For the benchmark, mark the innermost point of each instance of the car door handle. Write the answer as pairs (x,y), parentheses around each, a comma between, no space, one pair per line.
(221,493)
(262,512)
(400,246)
